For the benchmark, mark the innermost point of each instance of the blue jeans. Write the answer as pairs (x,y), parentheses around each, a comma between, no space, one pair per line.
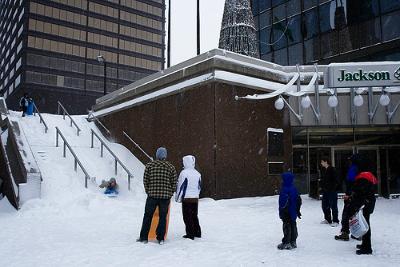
(329,206)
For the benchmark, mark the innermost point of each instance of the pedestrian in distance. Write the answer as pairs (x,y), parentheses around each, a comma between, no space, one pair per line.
(187,192)
(159,183)
(354,162)
(23,104)
(289,211)
(329,184)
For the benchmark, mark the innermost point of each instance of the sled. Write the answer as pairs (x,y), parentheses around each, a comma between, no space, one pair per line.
(154,222)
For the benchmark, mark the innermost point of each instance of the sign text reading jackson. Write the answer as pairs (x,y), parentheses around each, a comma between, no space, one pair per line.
(361,75)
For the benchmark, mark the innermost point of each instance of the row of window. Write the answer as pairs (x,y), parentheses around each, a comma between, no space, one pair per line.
(68,16)
(299,28)
(82,4)
(49,28)
(54,46)
(95,38)
(62,64)
(140,34)
(142,7)
(57,13)
(137,19)
(335,42)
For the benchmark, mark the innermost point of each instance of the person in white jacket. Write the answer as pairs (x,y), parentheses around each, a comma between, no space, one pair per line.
(187,192)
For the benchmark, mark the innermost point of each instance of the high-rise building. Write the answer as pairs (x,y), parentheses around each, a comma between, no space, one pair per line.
(50,48)
(325,31)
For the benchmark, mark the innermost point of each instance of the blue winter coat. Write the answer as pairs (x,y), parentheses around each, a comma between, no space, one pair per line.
(288,196)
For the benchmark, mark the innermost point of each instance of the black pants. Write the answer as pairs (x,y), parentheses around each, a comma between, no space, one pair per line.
(289,231)
(345,217)
(329,206)
(190,218)
(151,205)
(366,239)
(24,109)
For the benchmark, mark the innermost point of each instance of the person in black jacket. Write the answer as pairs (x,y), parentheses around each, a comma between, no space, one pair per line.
(354,163)
(329,184)
(364,195)
(23,104)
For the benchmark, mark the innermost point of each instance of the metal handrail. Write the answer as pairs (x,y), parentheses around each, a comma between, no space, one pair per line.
(76,160)
(66,112)
(130,139)
(116,159)
(41,118)
(90,115)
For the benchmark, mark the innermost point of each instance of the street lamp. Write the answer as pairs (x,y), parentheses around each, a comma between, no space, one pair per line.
(101,59)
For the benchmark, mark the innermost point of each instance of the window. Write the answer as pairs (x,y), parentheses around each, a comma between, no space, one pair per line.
(296,54)
(389,5)
(327,17)
(279,35)
(390,27)
(293,31)
(265,35)
(310,23)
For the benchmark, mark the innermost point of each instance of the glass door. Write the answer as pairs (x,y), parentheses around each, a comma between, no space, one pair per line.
(342,164)
(372,162)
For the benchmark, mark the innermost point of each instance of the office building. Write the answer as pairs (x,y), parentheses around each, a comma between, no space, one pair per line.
(325,31)
(65,49)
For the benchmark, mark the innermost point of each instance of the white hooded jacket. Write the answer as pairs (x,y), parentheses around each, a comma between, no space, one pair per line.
(189,182)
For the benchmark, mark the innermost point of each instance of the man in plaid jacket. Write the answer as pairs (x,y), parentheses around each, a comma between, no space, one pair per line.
(160,184)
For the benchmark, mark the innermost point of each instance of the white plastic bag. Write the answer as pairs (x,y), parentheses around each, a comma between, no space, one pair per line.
(358,225)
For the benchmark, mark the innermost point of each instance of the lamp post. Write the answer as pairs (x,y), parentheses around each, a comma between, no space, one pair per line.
(101,59)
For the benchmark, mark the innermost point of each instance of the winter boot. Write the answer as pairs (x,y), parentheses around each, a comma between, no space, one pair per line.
(144,241)
(282,246)
(161,242)
(364,251)
(188,236)
(293,244)
(359,246)
(343,236)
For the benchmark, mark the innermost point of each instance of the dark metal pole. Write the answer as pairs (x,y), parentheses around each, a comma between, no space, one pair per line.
(169,36)
(105,76)
(198,27)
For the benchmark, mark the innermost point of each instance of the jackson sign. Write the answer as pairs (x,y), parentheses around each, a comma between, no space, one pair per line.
(365,74)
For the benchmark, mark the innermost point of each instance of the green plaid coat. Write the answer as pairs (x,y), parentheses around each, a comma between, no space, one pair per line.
(160,179)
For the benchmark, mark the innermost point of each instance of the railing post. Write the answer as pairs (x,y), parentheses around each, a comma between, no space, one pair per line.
(65,146)
(63,114)
(86,178)
(75,164)
(71,122)
(101,150)
(56,137)
(92,138)
(129,182)
(77,131)
(58,108)
(116,166)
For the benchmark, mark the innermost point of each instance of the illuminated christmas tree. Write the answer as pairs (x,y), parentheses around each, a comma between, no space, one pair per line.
(238,33)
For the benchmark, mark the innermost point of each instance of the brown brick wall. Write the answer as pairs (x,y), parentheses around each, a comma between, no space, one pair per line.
(227,137)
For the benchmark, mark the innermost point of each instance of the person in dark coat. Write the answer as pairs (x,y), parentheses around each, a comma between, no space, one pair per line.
(159,181)
(288,211)
(23,104)
(364,195)
(354,162)
(329,184)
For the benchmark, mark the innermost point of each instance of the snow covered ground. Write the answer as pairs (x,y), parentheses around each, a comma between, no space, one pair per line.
(74,226)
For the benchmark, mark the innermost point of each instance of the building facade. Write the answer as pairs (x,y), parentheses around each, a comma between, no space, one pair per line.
(49,49)
(229,111)
(294,32)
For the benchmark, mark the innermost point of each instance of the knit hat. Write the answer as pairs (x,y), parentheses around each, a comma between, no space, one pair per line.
(161,153)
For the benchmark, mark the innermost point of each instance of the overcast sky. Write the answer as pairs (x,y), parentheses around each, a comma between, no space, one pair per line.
(183,27)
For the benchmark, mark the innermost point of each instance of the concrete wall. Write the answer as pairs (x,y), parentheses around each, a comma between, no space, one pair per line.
(228,137)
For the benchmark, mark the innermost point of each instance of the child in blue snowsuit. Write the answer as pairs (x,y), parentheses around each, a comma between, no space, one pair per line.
(111,186)
(288,211)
